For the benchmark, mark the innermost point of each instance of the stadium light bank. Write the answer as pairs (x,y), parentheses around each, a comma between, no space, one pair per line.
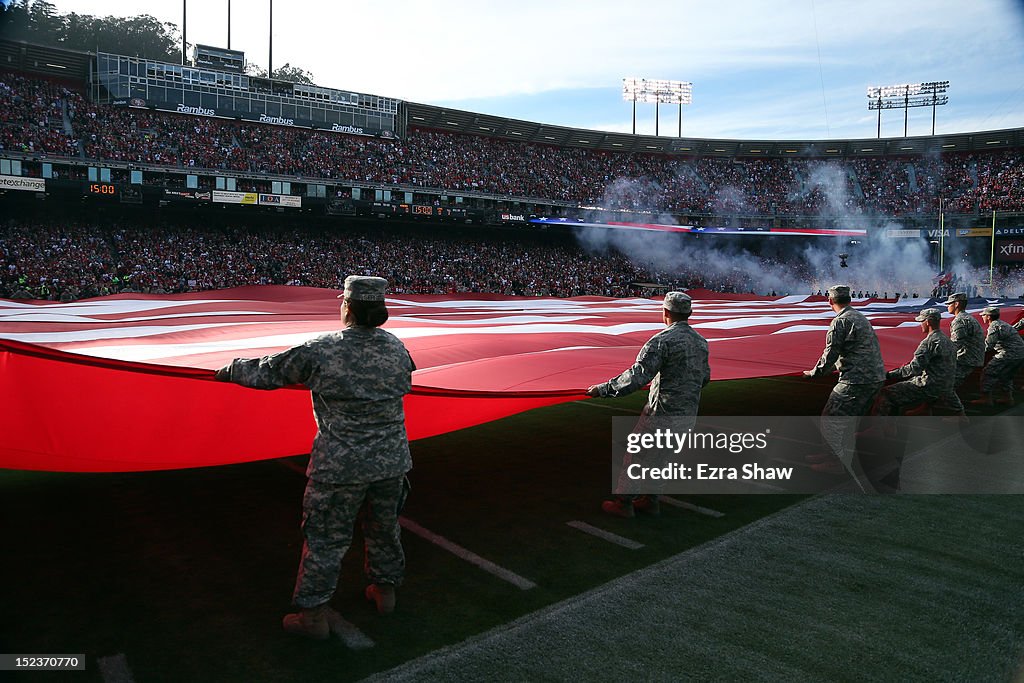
(657,91)
(906,95)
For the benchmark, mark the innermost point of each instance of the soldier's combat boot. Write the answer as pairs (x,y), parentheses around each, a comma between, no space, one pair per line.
(308,622)
(618,508)
(648,505)
(383,594)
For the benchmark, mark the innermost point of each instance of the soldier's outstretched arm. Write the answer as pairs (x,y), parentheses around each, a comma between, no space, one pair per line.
(289,367)
(647,365)
(834,340)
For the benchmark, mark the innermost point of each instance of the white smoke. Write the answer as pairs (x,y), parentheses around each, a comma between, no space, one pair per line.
(785,265)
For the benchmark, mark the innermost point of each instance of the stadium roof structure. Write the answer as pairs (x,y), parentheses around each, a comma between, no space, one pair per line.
(458,121)
(48,61)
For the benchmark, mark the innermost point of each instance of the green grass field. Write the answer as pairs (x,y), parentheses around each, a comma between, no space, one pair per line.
(187,573)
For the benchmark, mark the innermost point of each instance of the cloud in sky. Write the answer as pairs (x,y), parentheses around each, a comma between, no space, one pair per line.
(786,69)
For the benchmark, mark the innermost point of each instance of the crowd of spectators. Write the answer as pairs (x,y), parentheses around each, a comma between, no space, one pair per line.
(35,113)
(32,116)
(69,259)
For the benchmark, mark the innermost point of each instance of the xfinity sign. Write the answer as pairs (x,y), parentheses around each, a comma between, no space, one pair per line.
(1010,250)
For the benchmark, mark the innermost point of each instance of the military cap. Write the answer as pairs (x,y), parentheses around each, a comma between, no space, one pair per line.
(990,310)
(838,290)
(929,314)
(959,296)
(363,288)
(678,302)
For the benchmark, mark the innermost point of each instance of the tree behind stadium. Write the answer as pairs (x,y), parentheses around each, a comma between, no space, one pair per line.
(38,21)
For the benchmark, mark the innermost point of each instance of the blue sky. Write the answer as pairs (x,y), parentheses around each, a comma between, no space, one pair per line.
(770,69)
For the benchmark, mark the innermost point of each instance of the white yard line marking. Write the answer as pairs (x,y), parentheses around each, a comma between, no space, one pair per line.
(349,634)
(467,555)
(606,535)
(440,541)
(590,404)
(114,669)
(691,507)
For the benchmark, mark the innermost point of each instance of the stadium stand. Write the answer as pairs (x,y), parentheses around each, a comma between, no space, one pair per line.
(41,117)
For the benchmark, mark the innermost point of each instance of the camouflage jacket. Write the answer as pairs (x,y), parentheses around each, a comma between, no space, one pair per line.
(675,362)
(969,339)
(933,365)
(357,378)
(1004,340)
(851,347)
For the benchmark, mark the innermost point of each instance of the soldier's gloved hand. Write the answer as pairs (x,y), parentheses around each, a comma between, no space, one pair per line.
(594,391)
(808,373)
(223,374)
(890,375)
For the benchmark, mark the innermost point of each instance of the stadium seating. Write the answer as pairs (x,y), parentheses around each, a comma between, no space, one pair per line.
(37,116)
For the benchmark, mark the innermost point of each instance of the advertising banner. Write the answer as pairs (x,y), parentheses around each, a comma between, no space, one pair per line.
(235,197)
(188,195)
(974,232)
(901,234)
(280,200)
(1010,251)
(13,182)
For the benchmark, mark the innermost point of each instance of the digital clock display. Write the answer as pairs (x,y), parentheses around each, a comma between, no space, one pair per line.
(102,189)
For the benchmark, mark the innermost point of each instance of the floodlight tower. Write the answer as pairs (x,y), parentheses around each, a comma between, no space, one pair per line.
(907,95)
(657,91)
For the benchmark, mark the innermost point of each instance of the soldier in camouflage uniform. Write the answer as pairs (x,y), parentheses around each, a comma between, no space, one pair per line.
(1009,356)
(969,340)
(360,455)
(675,362)
(851,347)
(932,371)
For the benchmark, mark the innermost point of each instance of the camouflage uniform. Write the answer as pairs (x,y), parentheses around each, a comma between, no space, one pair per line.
(1009,348)
(360,455)
(969,341)
(675,362)
(932,372)
(851,347)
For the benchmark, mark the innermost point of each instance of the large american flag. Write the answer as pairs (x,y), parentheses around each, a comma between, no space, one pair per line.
(124,382)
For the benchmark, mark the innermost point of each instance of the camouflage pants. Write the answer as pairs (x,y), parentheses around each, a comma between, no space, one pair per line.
(898,397)
(329,513)
(999,373)
(626,489)
(952,400)
(838,418)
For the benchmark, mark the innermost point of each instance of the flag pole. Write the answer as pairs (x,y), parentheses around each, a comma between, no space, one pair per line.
(992,256)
